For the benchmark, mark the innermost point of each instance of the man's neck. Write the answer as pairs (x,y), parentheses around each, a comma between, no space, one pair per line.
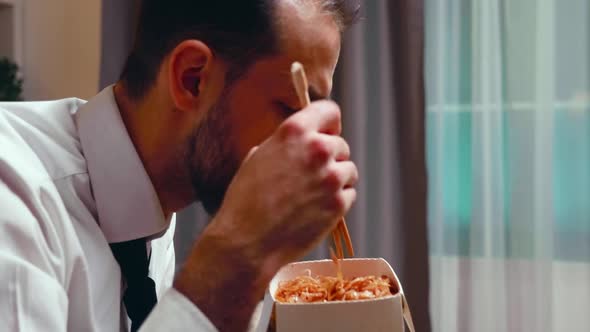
(160,151)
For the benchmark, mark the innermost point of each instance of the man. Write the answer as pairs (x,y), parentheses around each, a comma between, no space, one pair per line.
(205,110)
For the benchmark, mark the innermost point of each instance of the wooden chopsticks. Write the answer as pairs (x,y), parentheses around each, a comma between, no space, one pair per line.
(301,87)
(341,227)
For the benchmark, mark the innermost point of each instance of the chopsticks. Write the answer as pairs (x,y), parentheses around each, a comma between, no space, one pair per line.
(341,231)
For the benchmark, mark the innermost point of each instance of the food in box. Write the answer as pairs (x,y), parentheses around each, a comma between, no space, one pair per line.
(385,313)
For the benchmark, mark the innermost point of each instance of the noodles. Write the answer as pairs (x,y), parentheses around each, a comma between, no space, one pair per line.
(307,289)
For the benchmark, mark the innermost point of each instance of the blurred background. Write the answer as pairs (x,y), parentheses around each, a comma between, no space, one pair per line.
(469,121)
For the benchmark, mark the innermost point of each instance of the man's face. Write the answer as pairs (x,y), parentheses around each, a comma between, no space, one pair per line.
(251,108)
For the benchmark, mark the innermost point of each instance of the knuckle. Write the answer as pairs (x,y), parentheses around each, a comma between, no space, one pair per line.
(319,151)
(291,128)
(355,174)
(330,107)
(337,113)
(339,203)
(327,109)
(354,195)
(346,149)
(331,180)
(334,110)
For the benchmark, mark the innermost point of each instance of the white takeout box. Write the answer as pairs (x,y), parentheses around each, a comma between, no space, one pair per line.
(383,314)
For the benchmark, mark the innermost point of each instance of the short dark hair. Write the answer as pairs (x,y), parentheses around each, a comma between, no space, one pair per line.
(237,31)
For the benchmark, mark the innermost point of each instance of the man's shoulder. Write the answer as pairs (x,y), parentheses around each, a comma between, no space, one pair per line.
(40,139)
(39,149)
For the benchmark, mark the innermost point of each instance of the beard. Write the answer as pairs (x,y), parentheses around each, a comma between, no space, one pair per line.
(211,158)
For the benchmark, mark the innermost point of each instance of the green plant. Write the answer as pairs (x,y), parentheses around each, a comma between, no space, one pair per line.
(11,86)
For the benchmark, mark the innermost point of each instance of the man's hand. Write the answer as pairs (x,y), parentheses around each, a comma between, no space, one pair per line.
(285,198)
(291,191)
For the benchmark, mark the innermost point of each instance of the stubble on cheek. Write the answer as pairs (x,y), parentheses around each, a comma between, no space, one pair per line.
(211,158)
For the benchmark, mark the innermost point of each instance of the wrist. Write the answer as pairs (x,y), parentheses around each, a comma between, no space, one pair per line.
(247,248)
(224,278)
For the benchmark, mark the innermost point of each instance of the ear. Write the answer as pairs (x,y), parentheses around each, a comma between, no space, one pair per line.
(188,68)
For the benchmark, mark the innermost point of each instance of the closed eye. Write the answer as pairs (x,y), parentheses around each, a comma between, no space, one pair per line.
(285,109)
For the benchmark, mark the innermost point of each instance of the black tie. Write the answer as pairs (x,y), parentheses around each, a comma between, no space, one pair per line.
(140,295)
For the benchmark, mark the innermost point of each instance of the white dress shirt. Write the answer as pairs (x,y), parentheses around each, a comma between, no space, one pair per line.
(71,182)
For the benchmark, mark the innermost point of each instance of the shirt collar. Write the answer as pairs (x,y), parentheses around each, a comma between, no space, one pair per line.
(126,201)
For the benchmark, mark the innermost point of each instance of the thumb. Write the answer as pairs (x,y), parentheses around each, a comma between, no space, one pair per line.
(250,153)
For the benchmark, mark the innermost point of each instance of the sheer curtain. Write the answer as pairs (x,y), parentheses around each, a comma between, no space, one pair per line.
(508,126)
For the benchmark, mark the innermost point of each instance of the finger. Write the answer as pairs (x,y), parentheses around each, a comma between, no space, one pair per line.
(321,116)
(323,148)
(338,146)
(347,196)
(348,173)
(251,153)
(338,176)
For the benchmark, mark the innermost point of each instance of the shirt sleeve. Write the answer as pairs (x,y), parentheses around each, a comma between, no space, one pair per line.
(174,312)
(32,297)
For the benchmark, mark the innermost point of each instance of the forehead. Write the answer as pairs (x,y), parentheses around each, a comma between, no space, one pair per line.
(306,35)
(303,27)
(311,36)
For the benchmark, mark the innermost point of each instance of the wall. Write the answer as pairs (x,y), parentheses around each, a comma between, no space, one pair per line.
(61,48)
(6,30)
(118,23)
